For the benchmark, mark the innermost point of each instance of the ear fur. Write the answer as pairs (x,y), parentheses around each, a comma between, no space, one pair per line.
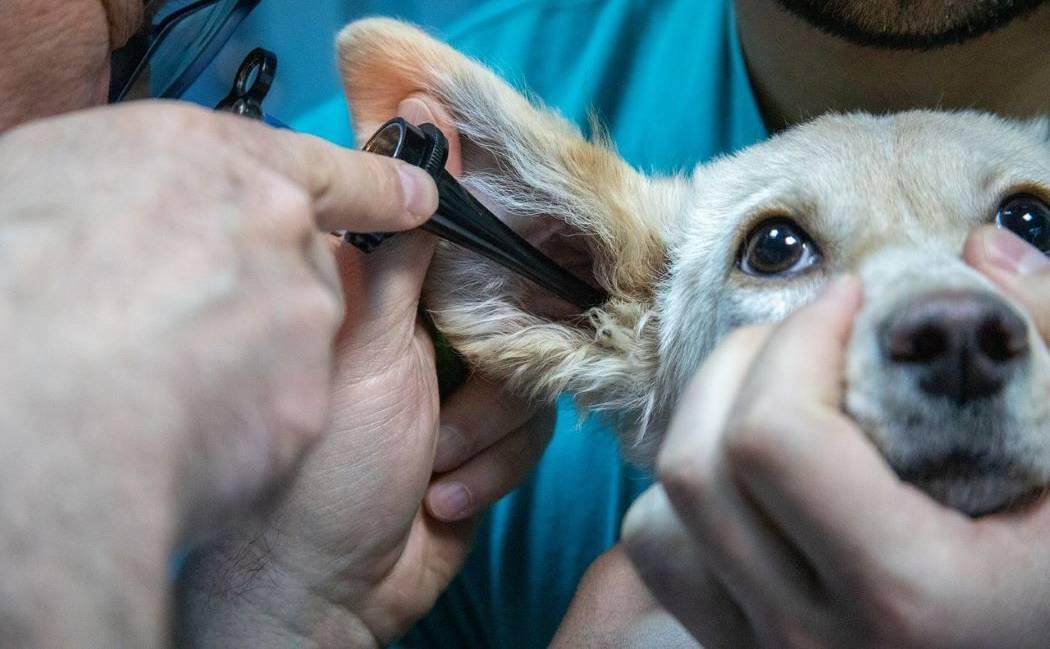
(1042,125)
(529,165)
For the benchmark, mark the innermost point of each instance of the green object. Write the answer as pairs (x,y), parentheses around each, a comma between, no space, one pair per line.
(452,369)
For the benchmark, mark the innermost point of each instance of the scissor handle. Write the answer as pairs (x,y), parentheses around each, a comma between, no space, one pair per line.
(251,86)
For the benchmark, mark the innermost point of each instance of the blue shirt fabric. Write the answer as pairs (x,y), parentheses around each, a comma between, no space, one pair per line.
(668,79)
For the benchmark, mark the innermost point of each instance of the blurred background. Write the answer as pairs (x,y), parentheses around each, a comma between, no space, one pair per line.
(302,34)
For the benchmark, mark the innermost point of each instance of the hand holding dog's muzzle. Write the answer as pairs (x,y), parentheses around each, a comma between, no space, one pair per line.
(778,523)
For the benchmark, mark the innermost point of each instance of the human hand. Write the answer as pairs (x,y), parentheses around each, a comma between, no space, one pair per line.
(352,557)
(167,308)
(488,441)
(777,523)
(1019,269)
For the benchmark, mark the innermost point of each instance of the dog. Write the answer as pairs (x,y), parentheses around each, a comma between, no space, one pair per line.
(947,376)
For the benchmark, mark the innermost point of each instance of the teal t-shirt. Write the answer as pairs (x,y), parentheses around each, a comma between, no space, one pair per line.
(668,79)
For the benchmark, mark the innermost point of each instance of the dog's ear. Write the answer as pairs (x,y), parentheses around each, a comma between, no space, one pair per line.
(576,200)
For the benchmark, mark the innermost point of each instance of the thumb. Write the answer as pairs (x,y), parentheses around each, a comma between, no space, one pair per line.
(409,261)
(1020,269)
(818,331)
(382,289)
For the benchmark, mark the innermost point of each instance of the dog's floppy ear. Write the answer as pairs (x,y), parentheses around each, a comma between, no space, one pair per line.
(576,200)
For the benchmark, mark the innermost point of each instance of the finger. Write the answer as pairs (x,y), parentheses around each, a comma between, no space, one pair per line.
(491,474)
(763,573)
(322,263)
(475,417)
(350,190)
(808,465)
(676,570)
(706,402)
(382,292)
(433,554)
(279,223)
(382,288)
(419,108)
(1022,270)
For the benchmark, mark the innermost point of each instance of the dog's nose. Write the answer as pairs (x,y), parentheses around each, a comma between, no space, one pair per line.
(963,344)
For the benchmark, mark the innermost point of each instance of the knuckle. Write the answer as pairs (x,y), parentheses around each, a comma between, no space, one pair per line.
(288,204)
(324,174)
(331,287)
(318,311)
(640,531)
(302,417)
(645,551)
(633,534)
(685,477)
(892,606)
(305,372)
(335,312)
(296,399)
(287,197)
(178,120)
(750,435)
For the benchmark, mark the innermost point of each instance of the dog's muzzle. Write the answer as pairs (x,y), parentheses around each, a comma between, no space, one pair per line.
(960,345)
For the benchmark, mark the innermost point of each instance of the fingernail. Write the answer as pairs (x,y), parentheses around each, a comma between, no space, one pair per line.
(449,501)
(451,444)
(1004,249)
(419,191)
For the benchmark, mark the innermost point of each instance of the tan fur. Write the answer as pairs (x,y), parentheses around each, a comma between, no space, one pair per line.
(524,162)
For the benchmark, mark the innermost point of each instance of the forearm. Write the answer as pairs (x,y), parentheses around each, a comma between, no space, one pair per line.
(232,596)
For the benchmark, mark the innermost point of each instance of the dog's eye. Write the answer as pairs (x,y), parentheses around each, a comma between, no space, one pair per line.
(777,246)
(1027,217)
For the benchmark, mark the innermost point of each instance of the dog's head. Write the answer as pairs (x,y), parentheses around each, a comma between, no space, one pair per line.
(947,376)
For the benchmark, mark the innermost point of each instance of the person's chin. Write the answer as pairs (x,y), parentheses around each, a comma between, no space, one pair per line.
(868,23)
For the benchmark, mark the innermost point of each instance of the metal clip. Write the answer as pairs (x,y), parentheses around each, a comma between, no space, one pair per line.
(252,84)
